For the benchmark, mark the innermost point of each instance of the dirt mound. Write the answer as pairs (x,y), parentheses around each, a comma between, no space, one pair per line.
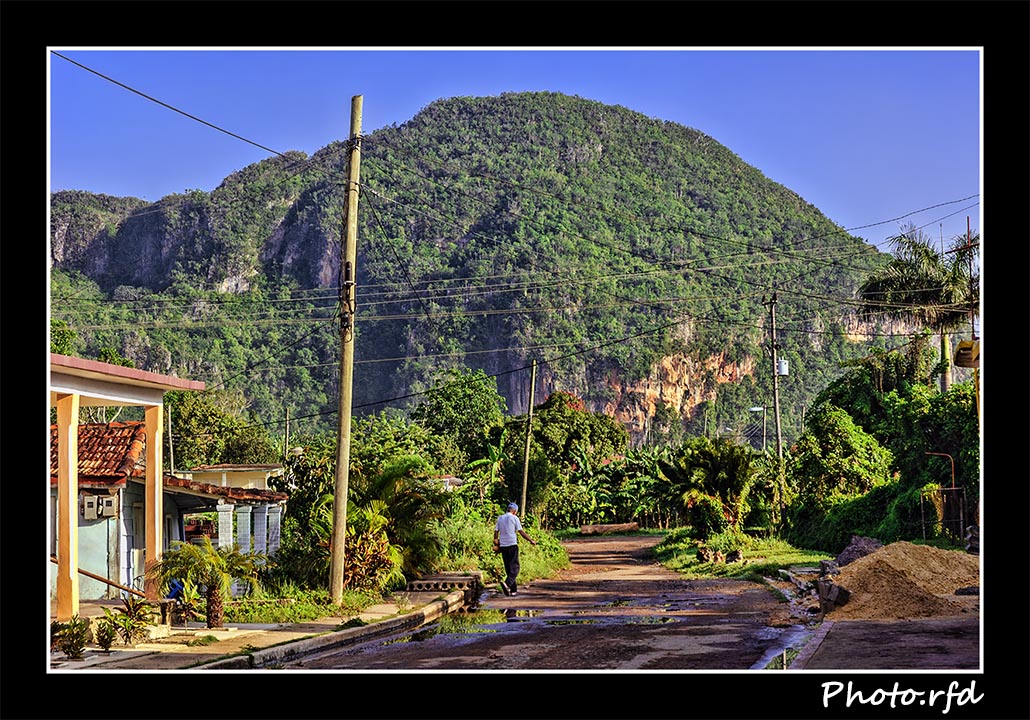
(904,580)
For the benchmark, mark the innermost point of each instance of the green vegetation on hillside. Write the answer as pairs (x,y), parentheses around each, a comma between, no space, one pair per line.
(614,250)
(492,231)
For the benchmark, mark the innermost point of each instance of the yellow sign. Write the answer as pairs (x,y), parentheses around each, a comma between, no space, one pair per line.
(967,354)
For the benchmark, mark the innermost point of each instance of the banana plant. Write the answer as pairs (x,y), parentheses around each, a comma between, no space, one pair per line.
(491,464)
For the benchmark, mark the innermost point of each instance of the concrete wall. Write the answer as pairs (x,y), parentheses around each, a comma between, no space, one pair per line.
(94,551)
(107,545)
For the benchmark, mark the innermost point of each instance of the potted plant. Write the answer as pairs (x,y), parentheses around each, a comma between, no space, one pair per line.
(73,636)
(213,569)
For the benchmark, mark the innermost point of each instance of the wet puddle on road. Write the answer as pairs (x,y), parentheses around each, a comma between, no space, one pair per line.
(484,621)
(466,623)
(569,622)
(788,639)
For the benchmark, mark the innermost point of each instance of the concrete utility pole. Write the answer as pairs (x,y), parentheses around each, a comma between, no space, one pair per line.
(348,262)
(529,438)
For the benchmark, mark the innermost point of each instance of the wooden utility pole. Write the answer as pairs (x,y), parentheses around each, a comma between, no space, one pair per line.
(171,445)
(286,436)
(776,376)
(529,438)
(348,262)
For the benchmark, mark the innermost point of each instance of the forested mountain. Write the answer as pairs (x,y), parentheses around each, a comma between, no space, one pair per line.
(636,260)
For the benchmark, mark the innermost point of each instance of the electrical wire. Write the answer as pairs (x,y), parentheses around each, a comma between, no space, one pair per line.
(309,163)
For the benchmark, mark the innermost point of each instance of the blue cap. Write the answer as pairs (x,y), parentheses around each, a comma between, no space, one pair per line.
(513,506)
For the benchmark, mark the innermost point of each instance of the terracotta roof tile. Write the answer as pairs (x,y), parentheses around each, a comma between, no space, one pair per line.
(108,452)
(232,493)
(237,466)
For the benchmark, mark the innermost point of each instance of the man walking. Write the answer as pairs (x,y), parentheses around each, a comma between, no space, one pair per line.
(506,532)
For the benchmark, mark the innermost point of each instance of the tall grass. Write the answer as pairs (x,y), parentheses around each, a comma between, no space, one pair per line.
(761,556)
(287,603)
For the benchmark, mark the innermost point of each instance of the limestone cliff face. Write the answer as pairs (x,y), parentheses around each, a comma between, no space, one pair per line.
(299,249)
(679,381)
(255,223)
(83,227)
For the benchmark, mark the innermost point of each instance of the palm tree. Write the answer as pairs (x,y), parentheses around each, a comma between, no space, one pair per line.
(936,289)
(212,568)
(717,469)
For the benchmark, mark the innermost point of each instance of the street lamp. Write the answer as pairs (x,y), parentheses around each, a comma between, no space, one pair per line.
(762,409)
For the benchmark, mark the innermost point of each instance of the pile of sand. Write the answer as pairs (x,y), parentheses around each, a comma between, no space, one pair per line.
(904,580)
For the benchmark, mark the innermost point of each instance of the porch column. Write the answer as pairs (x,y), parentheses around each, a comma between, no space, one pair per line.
(261,529)
(153,499)
(225,537)
(275,514)
(243,527)
(67,507)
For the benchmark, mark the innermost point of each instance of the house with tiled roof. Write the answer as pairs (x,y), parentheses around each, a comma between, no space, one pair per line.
(110,518)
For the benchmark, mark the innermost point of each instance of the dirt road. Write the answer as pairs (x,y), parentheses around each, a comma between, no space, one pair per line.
(614,608)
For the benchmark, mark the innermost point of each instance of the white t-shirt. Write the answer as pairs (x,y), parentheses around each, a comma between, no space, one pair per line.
(508,526)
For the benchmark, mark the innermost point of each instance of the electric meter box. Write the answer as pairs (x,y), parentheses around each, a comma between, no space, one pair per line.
(89,507)
(108,506)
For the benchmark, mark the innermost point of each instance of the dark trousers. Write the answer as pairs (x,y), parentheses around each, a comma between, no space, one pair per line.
(510,555)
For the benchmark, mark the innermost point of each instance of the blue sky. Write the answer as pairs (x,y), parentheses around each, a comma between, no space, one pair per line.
(872,137)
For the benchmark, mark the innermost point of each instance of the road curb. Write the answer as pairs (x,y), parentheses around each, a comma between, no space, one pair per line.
(801,661)
(295,650)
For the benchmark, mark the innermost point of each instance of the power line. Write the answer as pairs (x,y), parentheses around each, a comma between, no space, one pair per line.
(166,105)
(648,303)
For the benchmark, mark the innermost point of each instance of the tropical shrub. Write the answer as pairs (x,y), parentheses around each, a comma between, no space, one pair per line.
(105,634)
(412,502)
(73,636)
(132,621)
(706,515)
(712,480)
(212,569)
(836,458)
(567,504)
(370,562)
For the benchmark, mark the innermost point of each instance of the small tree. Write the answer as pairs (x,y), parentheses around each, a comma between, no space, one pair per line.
(837,458)
(209,427)
(462,405)
(211,568)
